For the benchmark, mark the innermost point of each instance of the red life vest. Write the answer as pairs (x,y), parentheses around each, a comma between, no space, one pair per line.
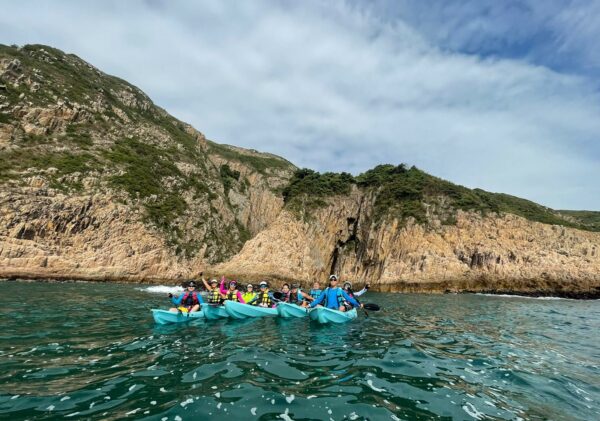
(190,299)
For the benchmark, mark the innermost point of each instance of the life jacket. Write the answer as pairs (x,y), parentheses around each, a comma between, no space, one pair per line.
(190,299)
(232,295)
(315,293)
(214,296)
(296,297)
(264,299)
(285,297)
(248,296)
(339,296)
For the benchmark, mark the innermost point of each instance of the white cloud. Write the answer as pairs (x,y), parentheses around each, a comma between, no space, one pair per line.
(334,87)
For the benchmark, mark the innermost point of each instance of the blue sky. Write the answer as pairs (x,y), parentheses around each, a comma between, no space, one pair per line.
(501,95)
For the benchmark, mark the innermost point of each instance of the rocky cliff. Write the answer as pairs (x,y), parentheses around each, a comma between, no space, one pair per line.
(97,182)
(492,253)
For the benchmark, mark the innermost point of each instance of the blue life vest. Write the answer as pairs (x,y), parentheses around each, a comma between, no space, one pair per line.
(295,298)
(315,293)
(339,297)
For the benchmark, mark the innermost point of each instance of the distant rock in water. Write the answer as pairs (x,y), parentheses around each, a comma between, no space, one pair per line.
(99,183)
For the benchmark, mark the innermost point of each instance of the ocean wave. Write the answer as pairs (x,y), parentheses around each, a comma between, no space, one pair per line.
(523,296)
(161,289)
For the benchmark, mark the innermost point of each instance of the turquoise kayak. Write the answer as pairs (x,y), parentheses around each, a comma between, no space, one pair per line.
(242,311)
(163,317)
(328,315)
(213,312)
(288,310)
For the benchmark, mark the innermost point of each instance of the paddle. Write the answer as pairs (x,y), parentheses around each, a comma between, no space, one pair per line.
(371,306)
(278,295)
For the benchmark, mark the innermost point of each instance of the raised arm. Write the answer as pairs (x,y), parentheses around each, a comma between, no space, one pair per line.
(240,298)
(208,287)
(361,292)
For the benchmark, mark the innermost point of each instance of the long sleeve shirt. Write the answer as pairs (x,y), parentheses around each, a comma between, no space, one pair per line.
(331,296)
(361,292)
(177,300)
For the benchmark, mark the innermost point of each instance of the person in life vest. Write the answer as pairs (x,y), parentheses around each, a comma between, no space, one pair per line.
(264,298)
(249,294)
(316,290)
(285,293)
(214,293)
(231,293)
(334,297)
(298,297)
(348,290)
(189,301)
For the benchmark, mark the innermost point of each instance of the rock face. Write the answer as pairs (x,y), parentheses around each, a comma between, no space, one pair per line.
(494,253)
(98,183)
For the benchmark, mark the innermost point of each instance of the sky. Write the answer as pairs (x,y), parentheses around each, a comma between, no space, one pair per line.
(500,95)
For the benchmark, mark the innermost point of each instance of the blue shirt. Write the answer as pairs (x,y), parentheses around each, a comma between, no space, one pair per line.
(332,295)
(178,300)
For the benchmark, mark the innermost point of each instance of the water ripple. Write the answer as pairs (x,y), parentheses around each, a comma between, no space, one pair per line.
(421,358)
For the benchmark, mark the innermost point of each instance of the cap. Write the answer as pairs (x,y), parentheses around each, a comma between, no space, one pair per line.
(347,284)
(249,286)
(214,281)
(333,277)
(191,284)
(234,282)
(263,283)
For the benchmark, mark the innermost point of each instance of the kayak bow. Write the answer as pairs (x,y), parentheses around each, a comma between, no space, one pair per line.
(241,311)
(163,317)
(328,315)
(288,310)
(213,312)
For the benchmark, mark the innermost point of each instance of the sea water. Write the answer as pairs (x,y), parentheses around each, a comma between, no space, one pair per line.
(92,351)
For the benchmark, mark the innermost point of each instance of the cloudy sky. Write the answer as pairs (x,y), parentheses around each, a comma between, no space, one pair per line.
(501,95)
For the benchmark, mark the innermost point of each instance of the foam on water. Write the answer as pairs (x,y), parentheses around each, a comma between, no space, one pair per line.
(525,296)
(161,289)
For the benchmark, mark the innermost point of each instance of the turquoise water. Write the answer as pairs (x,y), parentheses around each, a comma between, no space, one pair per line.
(92,351)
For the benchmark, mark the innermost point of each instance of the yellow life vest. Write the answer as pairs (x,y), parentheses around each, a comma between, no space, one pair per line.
(214,296)
(232,295)
(248,296)
(264,299)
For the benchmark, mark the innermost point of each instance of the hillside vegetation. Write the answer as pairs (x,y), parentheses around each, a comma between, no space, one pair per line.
(404,192)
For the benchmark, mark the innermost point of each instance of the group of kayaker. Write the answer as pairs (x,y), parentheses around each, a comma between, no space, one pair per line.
(334,297)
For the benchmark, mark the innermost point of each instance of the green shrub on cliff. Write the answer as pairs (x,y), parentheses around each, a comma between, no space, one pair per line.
(403,192)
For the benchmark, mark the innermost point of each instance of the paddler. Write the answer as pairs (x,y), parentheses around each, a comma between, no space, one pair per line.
(264,298)
(231,293)
(298,297)
(214,293)
(189,301)
(334,297)
(249,294)
(348,290)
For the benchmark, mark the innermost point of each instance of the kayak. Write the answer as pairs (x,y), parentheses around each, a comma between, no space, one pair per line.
(242,311)
(163,317)
(328,315)
(213,312)
(288,310)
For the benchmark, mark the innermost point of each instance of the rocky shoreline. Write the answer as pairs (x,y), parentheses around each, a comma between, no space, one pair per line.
(400,288)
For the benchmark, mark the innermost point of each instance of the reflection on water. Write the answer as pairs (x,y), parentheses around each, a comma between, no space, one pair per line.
(92,351)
